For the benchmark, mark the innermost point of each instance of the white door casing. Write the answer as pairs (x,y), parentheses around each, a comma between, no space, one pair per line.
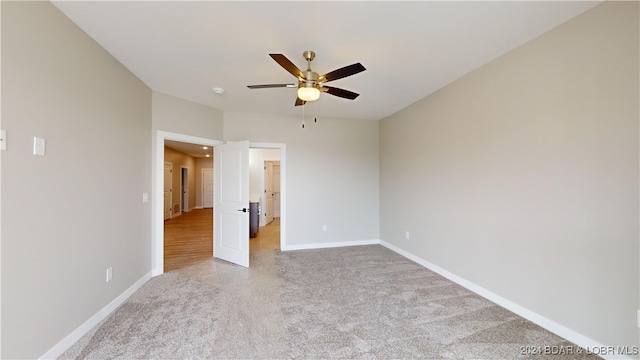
(207,188)
(184,182)
(231,202)
(168,184)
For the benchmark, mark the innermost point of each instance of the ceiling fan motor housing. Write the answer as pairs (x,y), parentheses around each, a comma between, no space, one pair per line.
(309,55)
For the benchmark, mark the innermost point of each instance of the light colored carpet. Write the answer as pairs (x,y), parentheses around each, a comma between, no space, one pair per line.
(354,302)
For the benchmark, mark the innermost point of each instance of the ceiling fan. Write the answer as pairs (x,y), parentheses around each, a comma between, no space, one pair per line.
(309,83)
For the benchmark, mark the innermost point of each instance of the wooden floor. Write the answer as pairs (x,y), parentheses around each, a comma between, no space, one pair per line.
(188,238)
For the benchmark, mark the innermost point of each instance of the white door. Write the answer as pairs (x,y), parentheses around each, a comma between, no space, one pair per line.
(276,190)
(207,188)
(268,192)
(168,184)
(231,202)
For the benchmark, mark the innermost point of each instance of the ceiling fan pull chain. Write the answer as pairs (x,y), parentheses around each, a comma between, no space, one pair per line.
(303,106)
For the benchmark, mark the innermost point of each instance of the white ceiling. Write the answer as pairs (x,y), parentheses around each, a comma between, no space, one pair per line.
(410,49)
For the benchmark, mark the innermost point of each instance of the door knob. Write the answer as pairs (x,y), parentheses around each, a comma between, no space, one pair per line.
(243,209)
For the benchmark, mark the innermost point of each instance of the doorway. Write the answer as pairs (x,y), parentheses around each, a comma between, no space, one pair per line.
(265,190)
(157,231)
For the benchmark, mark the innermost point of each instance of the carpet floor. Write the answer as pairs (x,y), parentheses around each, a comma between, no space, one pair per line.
(363,302)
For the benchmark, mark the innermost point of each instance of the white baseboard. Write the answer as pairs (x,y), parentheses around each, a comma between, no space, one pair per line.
(330,245)
(562,331)
(72,338)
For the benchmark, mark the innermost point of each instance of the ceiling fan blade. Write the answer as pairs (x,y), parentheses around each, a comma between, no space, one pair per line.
(288,65)
(342,72)
(339,92)
(266,86)
(300,101)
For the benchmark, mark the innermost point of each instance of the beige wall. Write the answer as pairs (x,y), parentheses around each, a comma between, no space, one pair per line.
(178,160)
(185,117)
(68,216)
(522,176)
(331,174)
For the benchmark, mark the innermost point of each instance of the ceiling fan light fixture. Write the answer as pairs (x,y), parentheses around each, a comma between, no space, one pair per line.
(308,93)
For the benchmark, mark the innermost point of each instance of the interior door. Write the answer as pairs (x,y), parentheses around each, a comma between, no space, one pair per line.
(231,202)
(276,190)
(168,183)
(268,192)
(207,188)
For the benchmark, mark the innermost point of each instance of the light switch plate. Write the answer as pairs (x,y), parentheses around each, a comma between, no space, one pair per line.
(38,146)
(145,197)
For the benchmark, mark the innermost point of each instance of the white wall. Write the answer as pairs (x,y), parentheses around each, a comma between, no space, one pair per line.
(522,176)
(331,174)
(68,216)
(257,157)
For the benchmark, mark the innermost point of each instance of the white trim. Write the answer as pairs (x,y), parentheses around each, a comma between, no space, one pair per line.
(329,245)
(157,210)
(182,185)
(83,329)
(170,189)
(560,330)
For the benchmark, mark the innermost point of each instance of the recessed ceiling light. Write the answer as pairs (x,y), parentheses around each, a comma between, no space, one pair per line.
(218,91)
(205,147)
(208,155)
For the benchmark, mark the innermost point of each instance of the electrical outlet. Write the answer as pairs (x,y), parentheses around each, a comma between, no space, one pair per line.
(109,274)
(145,197)
(638,318)
(406,235)
(324,227)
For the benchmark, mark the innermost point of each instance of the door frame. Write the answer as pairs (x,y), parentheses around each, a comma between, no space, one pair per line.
(170,189)
(184,189)
(157,209)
